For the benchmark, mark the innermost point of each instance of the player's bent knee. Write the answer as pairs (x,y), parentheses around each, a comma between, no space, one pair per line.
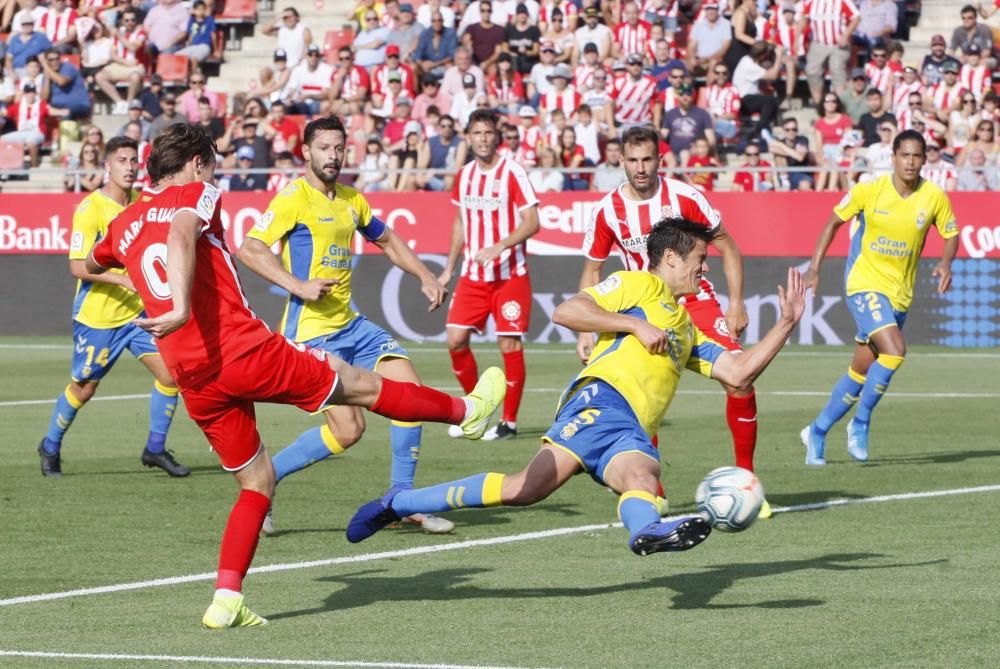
(84,391)
(509,344)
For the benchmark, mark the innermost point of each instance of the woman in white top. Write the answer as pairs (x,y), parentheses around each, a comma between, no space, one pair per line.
(293,35)
(962,124)
(374,167)
(545,179)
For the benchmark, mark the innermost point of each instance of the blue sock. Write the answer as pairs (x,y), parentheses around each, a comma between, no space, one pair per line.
(311,447)
(845,394)
(62,417)
(879,376)
(476,491)
(637,509)
(405,441)
(162,404)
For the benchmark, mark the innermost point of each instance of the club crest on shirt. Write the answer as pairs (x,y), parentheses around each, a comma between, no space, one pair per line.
(355,217)
(921,219)
(511,310)
(720,326)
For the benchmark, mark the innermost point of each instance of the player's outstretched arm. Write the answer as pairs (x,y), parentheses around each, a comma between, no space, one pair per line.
(822,245)
(741,370)
(403,257)
(583,314)
(256,255)
(590,276)
(943,269)
(184,232)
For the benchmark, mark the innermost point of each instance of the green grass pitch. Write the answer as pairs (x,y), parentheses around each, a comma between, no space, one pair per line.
(894,583)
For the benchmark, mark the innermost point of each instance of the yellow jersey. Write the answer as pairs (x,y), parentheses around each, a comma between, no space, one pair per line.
(889,234)
(99,305)
(648,382)
(317,233)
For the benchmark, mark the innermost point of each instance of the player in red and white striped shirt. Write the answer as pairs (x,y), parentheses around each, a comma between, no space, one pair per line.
(380,75)
(57,24)
(623,219)
(633,99)
(29,115)
(632,34)
(974,75)
(831,24)
(721,99)
(497,213)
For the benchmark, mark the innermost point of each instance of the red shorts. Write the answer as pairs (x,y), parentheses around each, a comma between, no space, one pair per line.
(507,300)
(708,317)
(278,372)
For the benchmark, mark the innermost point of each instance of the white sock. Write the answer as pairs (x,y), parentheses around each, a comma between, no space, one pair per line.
(223,592)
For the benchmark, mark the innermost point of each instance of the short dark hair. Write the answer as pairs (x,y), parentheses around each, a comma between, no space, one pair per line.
(484,116)
(320,124)
(873,92)
(120,142)
(678,235)
(968,9)
(909,136)
(616,142)
(203,100)
(175,146)
(294,12)
(641,134)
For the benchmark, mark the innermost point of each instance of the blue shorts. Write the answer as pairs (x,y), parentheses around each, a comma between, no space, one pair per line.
(596,425)
(95,350)
(360,343)
(873,312)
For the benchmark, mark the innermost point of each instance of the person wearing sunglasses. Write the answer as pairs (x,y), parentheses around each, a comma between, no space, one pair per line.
(962,123)
(369,44)
(754,181)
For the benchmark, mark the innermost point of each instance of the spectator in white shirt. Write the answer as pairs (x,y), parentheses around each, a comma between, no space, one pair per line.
(294,36)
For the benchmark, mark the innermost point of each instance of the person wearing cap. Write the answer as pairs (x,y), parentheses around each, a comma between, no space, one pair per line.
(485,39)
(782,30)
(273,78)
(931,69)
(522,39)
(879,20)
(453,82)
(592,32)
(562,95)
(970,32)
(151,96)
(831,24)
(369,44)
(27,43)
(435,50)
(393,67)
(406,33)
(974,75)
(384,104)
(632,34)
(168,115)
(294,36)
(854,97)
(245,156)
(946,96)
(309,84)
(463,104)
(27,115)
(583,73)
(939,172)
(349,86)
(134,115)
(709,39)
(538,81)
(634,100)
(528,129)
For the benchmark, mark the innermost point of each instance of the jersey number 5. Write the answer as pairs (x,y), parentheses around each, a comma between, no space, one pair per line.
(154,270)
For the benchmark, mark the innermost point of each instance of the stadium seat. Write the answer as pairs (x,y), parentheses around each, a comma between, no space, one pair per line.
(72,58)
(238,11)
(333,40)
(11,156)
(173,68)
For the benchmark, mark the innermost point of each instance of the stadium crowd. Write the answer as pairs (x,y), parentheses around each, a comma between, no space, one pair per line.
(720,82)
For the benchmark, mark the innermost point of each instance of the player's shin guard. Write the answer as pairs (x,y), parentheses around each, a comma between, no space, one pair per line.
(463,364)
(514,370)
(637,509)
(239,541)
(162,405)
(62,417)
(845,394)
(877,382)
(405,441)
(481,490)
(412,402)
(311,447)
(741,414)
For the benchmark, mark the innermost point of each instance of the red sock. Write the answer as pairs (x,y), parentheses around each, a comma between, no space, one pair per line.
(513,366)
(239,541)
(411,402)
(463,363)
(741,414)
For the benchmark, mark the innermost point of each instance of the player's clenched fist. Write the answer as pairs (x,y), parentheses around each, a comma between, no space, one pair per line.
(652,337)
(314,289)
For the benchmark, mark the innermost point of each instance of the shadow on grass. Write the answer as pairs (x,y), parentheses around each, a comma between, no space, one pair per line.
(205,470)
(932,458)
(692,590)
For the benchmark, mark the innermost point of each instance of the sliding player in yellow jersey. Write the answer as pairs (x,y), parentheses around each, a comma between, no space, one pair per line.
(103,311)
(609,412)
(894,213)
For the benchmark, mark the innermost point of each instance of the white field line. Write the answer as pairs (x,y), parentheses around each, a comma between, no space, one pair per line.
(459,545)
(240,661)
(775,393)
(567,350)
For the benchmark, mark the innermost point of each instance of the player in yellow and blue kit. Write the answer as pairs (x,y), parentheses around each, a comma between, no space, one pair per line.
(611,409)
(315,220)
(894,214)
(103,311)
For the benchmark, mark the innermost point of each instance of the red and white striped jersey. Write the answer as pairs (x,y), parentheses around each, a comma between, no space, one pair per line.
(354,81)
(938,173)
(620,222)
(828,19)
(55,24)
(567,101)
(667,8)
(88,5)
(880,77)
(530,137)
(945,97)
(278,180)
(901,96)
(583,76)
(789,36)
(380,79)
(552,134)
(490,203)
(137,36)
(504,90)
(720,100)
(568,9)
(632,39)
(524,156)
(634,99)
(976,79)
(28,117)
(669,99)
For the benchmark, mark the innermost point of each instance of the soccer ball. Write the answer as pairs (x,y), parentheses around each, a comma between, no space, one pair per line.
(730,498)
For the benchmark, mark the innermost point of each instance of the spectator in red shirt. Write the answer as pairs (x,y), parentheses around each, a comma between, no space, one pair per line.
(701,156)
(571,154)
(28,115)
(282,131)
(754,182)
(830,128)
